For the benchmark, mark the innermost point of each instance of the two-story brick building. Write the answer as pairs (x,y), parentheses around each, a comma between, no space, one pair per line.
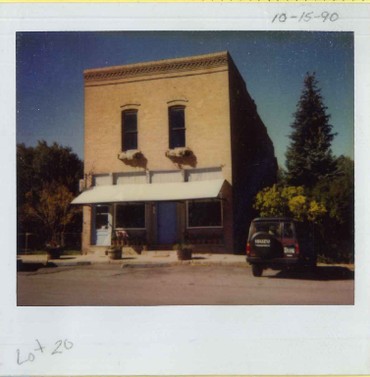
(174,151)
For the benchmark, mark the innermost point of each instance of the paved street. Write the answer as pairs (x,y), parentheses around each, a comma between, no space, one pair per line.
(111,285)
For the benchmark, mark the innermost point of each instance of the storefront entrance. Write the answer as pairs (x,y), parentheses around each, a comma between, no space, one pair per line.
(167,223)
(102,225)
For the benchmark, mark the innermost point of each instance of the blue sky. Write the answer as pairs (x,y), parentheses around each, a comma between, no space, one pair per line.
(273,64)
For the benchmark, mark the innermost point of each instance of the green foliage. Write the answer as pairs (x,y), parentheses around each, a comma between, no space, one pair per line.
(269,202)
(47,181)
(316,211)
(328,182)
(338,195)
(338,191)
(51,207)
(309,156)
(329,204)
(47,164)
(298,207)
(281,176)
(288,201)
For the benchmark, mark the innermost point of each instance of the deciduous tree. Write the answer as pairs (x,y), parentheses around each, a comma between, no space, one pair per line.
(47,181)
(50,207)
(289,201)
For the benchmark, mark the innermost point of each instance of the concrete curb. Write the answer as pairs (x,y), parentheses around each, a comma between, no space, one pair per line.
(146,261)
(183,263)
(70,264)
(138,262)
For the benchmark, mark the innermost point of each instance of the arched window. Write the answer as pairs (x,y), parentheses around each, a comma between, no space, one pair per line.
(129,130)
(176,119)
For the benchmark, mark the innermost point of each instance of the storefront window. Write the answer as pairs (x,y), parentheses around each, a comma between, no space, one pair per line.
(130,216)
(204,214)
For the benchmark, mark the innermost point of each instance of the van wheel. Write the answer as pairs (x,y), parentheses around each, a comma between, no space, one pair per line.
(257,270)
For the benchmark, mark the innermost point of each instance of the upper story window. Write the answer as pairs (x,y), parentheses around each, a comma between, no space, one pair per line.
(129,130)
(176,117)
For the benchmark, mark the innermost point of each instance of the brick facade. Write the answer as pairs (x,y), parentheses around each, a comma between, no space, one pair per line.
(223,131)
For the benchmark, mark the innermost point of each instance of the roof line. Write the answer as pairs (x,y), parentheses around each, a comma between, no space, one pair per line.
(158,67)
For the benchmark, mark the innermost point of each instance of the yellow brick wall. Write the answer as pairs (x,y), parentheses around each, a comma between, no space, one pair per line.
(207,118)
(204,91)
(222,129)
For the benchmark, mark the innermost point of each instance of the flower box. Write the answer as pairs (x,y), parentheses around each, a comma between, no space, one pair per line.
(132,154)
(179,152)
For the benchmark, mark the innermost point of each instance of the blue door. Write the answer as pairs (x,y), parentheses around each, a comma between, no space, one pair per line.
(167,223)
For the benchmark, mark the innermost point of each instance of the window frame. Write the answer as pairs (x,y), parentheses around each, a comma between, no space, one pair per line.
(172,130)
(188,226)
(124,132)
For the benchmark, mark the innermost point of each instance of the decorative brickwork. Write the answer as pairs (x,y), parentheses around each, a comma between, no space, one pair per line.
(161,67)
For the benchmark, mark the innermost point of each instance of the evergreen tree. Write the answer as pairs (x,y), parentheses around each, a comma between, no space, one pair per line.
(309,156)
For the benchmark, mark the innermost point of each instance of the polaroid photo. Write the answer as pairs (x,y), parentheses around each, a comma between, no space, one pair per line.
(183,189)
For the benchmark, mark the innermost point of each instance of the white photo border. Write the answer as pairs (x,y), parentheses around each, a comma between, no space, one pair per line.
(199,340)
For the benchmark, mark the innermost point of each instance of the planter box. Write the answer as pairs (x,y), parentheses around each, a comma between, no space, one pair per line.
(184,254)
(115,253)
(54,252)
(179,152)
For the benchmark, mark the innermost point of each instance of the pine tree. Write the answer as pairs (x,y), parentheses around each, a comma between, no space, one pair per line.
(309,156)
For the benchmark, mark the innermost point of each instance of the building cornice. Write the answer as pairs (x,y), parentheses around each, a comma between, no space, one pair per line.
(157,68)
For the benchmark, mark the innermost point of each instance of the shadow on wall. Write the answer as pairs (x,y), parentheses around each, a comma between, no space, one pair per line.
(185,160)
(139,162)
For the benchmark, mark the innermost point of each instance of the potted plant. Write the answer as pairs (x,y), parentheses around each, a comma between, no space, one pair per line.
(53,250)
(184,251)
(122,237)
(114,252)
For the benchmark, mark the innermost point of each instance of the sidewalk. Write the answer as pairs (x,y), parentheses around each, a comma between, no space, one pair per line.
(151,258)
(158,258)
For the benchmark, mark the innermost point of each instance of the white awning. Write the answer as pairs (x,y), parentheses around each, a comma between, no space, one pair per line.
(153,192)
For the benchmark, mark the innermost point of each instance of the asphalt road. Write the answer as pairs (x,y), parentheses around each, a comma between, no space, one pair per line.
(111,285)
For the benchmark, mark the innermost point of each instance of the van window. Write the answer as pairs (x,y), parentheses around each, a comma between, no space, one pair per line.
(275,228)
(288,230)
